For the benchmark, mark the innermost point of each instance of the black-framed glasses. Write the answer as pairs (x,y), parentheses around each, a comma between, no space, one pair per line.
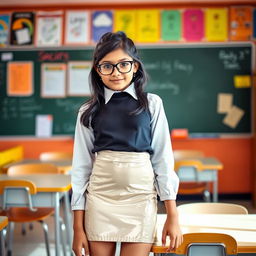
(122,67)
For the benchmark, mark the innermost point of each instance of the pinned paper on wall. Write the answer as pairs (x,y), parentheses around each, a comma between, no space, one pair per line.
(240,23)
(4,29)
(148,25)
(171,25)
(193,25)
(78,78)
(49,28)
(233,117)
(102,22)
(44,125)
(216,24)
(242,81)
(20,78)
(224,102)
(125,20)
(22,28)
(53,80)
(77,27)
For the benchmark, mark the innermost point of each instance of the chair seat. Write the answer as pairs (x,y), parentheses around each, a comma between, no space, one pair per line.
(192,187)
(23,214)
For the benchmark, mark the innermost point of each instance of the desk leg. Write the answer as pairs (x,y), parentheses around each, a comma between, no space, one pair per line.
(57,224)
(2,245)
(67,212)
(215,186)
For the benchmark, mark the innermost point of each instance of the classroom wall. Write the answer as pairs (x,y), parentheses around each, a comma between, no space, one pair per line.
(236,154)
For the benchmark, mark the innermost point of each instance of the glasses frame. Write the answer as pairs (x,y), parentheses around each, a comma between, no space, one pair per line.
(115,66)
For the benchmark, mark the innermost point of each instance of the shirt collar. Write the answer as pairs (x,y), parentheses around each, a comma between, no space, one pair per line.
(109,93)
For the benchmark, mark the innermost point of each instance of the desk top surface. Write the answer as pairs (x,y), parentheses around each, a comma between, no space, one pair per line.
(207,163)
(3,222)
(45,182)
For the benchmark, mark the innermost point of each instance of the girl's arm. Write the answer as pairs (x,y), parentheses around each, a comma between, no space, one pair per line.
(171,226)
(80,241)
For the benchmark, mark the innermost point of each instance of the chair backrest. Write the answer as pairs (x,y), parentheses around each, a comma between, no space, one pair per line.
(210,244)
(183,154)
(40,168)
(187,163)
(55,156)
(24,188)
(212,208)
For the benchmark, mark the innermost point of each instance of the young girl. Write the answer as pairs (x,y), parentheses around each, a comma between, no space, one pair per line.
(122,158)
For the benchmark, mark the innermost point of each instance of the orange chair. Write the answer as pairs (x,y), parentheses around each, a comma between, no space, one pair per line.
(210,244)
(192,187)
(25,189)
(55,156)
(39,168)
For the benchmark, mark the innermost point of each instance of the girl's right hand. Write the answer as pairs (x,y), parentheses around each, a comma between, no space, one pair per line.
(80,242)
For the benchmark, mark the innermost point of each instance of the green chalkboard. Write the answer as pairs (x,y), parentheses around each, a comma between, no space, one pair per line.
(188,78)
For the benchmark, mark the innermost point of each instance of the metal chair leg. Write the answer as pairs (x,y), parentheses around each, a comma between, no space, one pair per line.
(10,238)
(45,228)
(207,196)
(63,237)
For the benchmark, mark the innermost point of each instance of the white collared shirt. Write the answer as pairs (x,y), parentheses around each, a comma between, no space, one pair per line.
(166,180)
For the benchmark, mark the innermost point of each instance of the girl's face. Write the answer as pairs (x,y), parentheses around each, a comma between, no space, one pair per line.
(117,78)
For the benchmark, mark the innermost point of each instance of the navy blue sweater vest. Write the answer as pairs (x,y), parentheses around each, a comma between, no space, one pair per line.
(115,128)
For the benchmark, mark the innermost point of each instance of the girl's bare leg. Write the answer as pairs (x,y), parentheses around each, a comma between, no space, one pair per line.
(135,249)
(102,248)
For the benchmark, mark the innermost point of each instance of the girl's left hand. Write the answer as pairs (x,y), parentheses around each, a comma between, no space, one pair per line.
(172,229)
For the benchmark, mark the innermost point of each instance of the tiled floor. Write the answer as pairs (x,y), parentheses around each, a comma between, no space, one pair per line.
(31,244)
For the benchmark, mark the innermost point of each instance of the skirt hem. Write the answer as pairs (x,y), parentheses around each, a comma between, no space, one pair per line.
(121,239)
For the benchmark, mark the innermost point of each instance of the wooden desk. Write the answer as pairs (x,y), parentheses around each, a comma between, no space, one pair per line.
(208,172)
(64,166)
(3,224)
(241,226)
(50,189)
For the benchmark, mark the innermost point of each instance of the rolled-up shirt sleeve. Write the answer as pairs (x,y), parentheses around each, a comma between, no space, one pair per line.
(82,163)
(166,179)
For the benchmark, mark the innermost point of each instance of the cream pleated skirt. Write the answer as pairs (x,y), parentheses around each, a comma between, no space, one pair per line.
(121,200)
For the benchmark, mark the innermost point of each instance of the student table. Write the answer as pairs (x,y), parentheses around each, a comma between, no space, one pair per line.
(64,166)
(241,226)
(50,189)
(209,172)
(3,224)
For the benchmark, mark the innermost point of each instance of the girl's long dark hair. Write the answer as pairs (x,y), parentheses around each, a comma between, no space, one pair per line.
(108,43)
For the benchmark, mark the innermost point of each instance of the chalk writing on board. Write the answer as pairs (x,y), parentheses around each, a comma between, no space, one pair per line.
(68,105)
(169,66)
(231,59)
(171,87)
(12,108)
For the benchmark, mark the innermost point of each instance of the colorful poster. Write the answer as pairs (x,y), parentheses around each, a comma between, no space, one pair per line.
(78,78)
(53,80)
(240,23)
(193,25)
(254,24)
(20,78)
(22,28)
(171,25)
(77,27)
(102,22)
(49,28)
(4,29)
(148,25)
(216,24)
(125,20)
